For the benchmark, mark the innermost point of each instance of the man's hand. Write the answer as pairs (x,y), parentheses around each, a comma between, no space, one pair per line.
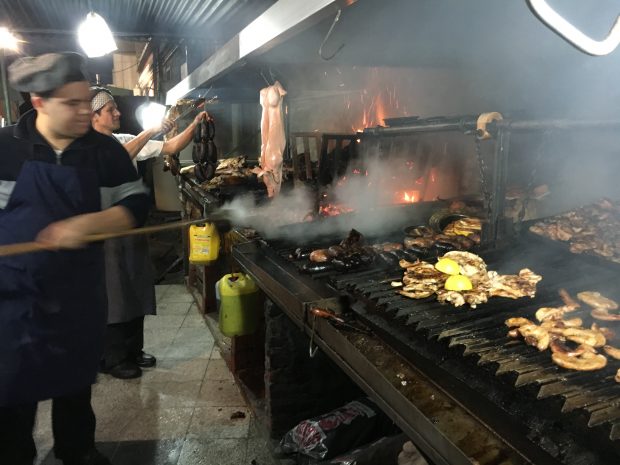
(202,115)
(65,234)
(166,126)
(71,232)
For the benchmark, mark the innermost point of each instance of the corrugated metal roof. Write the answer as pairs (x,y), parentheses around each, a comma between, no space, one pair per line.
(159,17)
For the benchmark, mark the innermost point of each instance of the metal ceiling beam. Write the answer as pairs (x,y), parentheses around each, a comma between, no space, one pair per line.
(135,35)
(281,21)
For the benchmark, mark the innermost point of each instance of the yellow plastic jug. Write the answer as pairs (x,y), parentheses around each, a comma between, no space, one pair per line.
(204,244)
(239,304)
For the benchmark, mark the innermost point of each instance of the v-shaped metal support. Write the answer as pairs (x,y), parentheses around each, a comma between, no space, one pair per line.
(571,34)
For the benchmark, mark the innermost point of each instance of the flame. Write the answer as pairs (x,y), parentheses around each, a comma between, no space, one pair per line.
(333,209)
(409,197)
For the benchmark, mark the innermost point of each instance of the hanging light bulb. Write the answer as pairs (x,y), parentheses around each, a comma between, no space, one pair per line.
(95,36)
(7,40)
(150,114)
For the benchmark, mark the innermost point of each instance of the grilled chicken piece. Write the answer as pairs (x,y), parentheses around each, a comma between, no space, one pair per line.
(407,264)
(617,377)
(550,313)
(536,336)
(596,300)
(319,256)
(471,265)
(587,361)
(573,323)
(455,298)
(417,295)
(613,352)
(517,321)
(422,270)
(513,286)
(475,297)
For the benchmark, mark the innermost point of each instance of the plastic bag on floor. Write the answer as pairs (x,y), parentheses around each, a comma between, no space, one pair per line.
(324,437)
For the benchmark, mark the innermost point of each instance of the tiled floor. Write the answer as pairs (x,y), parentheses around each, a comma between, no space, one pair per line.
(187,410)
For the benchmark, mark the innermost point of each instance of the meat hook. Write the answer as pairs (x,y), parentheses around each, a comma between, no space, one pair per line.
(329,33)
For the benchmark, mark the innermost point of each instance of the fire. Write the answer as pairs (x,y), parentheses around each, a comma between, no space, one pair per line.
(333,209)
(409,197)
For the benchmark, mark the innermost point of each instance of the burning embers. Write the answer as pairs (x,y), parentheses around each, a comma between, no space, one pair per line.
(386,182)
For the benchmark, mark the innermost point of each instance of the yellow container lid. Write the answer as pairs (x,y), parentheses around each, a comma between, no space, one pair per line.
(235,284)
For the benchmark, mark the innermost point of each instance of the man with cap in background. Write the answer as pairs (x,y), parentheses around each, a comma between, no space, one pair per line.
(59,182)
(130,277)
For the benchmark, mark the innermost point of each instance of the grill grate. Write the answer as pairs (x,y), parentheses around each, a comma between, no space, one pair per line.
(479,336)
(473,346)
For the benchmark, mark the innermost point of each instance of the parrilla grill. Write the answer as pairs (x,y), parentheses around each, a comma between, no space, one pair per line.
(550,414)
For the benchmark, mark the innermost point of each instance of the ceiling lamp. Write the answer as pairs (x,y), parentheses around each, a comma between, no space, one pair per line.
(150,114)
(7,40)
(95,36)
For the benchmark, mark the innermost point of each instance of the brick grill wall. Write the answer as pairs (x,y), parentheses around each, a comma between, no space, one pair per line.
(297,386)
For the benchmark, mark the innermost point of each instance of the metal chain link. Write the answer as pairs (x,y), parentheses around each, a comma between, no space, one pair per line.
(483,177)
(532,179)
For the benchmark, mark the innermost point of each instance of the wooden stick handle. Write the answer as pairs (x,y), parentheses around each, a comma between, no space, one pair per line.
(28,247)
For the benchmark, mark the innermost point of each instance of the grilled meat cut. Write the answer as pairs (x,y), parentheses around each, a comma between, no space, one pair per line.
(593,229)
(517,321)
(512,286)
(422,276)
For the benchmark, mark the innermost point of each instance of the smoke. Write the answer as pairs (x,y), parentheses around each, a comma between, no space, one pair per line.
(289,207)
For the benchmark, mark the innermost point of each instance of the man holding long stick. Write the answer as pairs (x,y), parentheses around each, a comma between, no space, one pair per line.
(53,171)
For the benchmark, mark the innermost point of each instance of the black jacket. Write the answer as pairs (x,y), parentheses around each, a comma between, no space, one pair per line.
(98,152)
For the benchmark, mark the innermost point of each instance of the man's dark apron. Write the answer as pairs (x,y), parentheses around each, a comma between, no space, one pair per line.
(52,304)
(130,278)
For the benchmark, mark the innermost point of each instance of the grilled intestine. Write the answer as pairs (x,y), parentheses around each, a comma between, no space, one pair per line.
(572,346)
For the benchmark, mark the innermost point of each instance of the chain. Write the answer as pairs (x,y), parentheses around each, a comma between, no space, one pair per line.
(531,180)
(483,177)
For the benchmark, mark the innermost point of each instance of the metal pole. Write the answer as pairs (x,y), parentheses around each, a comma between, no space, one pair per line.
(5,91)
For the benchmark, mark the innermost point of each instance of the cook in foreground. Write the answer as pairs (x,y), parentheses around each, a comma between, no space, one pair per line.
(59,181)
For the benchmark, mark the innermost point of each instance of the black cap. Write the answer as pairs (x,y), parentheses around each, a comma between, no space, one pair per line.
(47,72)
